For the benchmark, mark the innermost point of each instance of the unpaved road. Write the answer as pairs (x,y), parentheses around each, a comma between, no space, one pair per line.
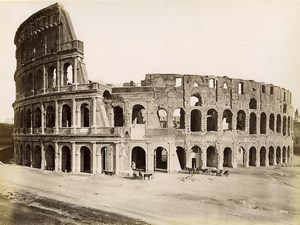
(248,196)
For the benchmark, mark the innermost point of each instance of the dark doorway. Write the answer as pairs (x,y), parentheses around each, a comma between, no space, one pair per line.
(66,159)
(85,159)
(160,159)
(181,157)
(195,120)
(37,156)
(212,157)
(50,156)
(138,159)
(262,156)
(278,155)
(118,117)
(27,156)
(227,157)
(271,156)
(252,157)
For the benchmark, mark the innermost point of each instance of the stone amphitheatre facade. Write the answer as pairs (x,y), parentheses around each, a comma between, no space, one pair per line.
(65,122)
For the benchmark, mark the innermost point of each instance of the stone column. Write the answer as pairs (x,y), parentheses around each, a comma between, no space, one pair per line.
(258,123)
(42,117)
(31,120)
(117,158)
(127,114)
(73,157)
(75,59)
(73,125)
(267,163)
(204,157)
(220,151)
(257,158)
(150,159)
(58,75)
(56,118)
(78,160)
(43,158)
(45,86)
(247,117)
(57,157)
(94,162)
(94,115)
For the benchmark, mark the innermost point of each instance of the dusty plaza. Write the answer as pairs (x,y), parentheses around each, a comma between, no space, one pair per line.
(171,149)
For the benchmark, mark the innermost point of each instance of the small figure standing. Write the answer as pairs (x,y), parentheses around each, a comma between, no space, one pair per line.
(133,165)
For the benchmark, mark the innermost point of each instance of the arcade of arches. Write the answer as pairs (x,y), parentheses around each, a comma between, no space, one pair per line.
(94,158)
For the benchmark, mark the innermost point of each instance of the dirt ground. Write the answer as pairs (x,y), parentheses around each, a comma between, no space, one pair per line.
(266,195)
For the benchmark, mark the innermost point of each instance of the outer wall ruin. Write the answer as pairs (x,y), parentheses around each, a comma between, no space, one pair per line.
(64,122)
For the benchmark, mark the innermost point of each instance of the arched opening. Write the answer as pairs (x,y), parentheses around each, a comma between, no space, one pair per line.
(52,79)
(106,97)
(252,156)
(241,157)
(196,157)
(288,154)
(278,124)
(163,118)
(27,156)
(38,81)
(284,108)
(29,84)
(37,157)
(252,123)
(271,156)
(195,120)
(179,118)
(262,156)
(37,118)
(68,74)
(138,113)
(289,126)
(50,117)
(107,159)
(66,116)
(85,115)
(284,126)
(272,122)
(278,155)
(66,159)
(227,120)
(160,159)
(181,156)
(118,117)
(212,157)
(253,103)
(28,119)
(263,123)
(138,159)
(212,120)
(227,157)
(284,153)
(50,156)
(241,120)
(85,160)
(195,100)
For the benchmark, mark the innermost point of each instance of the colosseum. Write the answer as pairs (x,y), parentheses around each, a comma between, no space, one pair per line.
(168,122)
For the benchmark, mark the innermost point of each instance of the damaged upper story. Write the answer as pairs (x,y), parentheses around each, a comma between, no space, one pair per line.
(49,56)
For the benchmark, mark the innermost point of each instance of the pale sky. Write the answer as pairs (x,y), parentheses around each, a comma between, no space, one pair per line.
(124,40)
